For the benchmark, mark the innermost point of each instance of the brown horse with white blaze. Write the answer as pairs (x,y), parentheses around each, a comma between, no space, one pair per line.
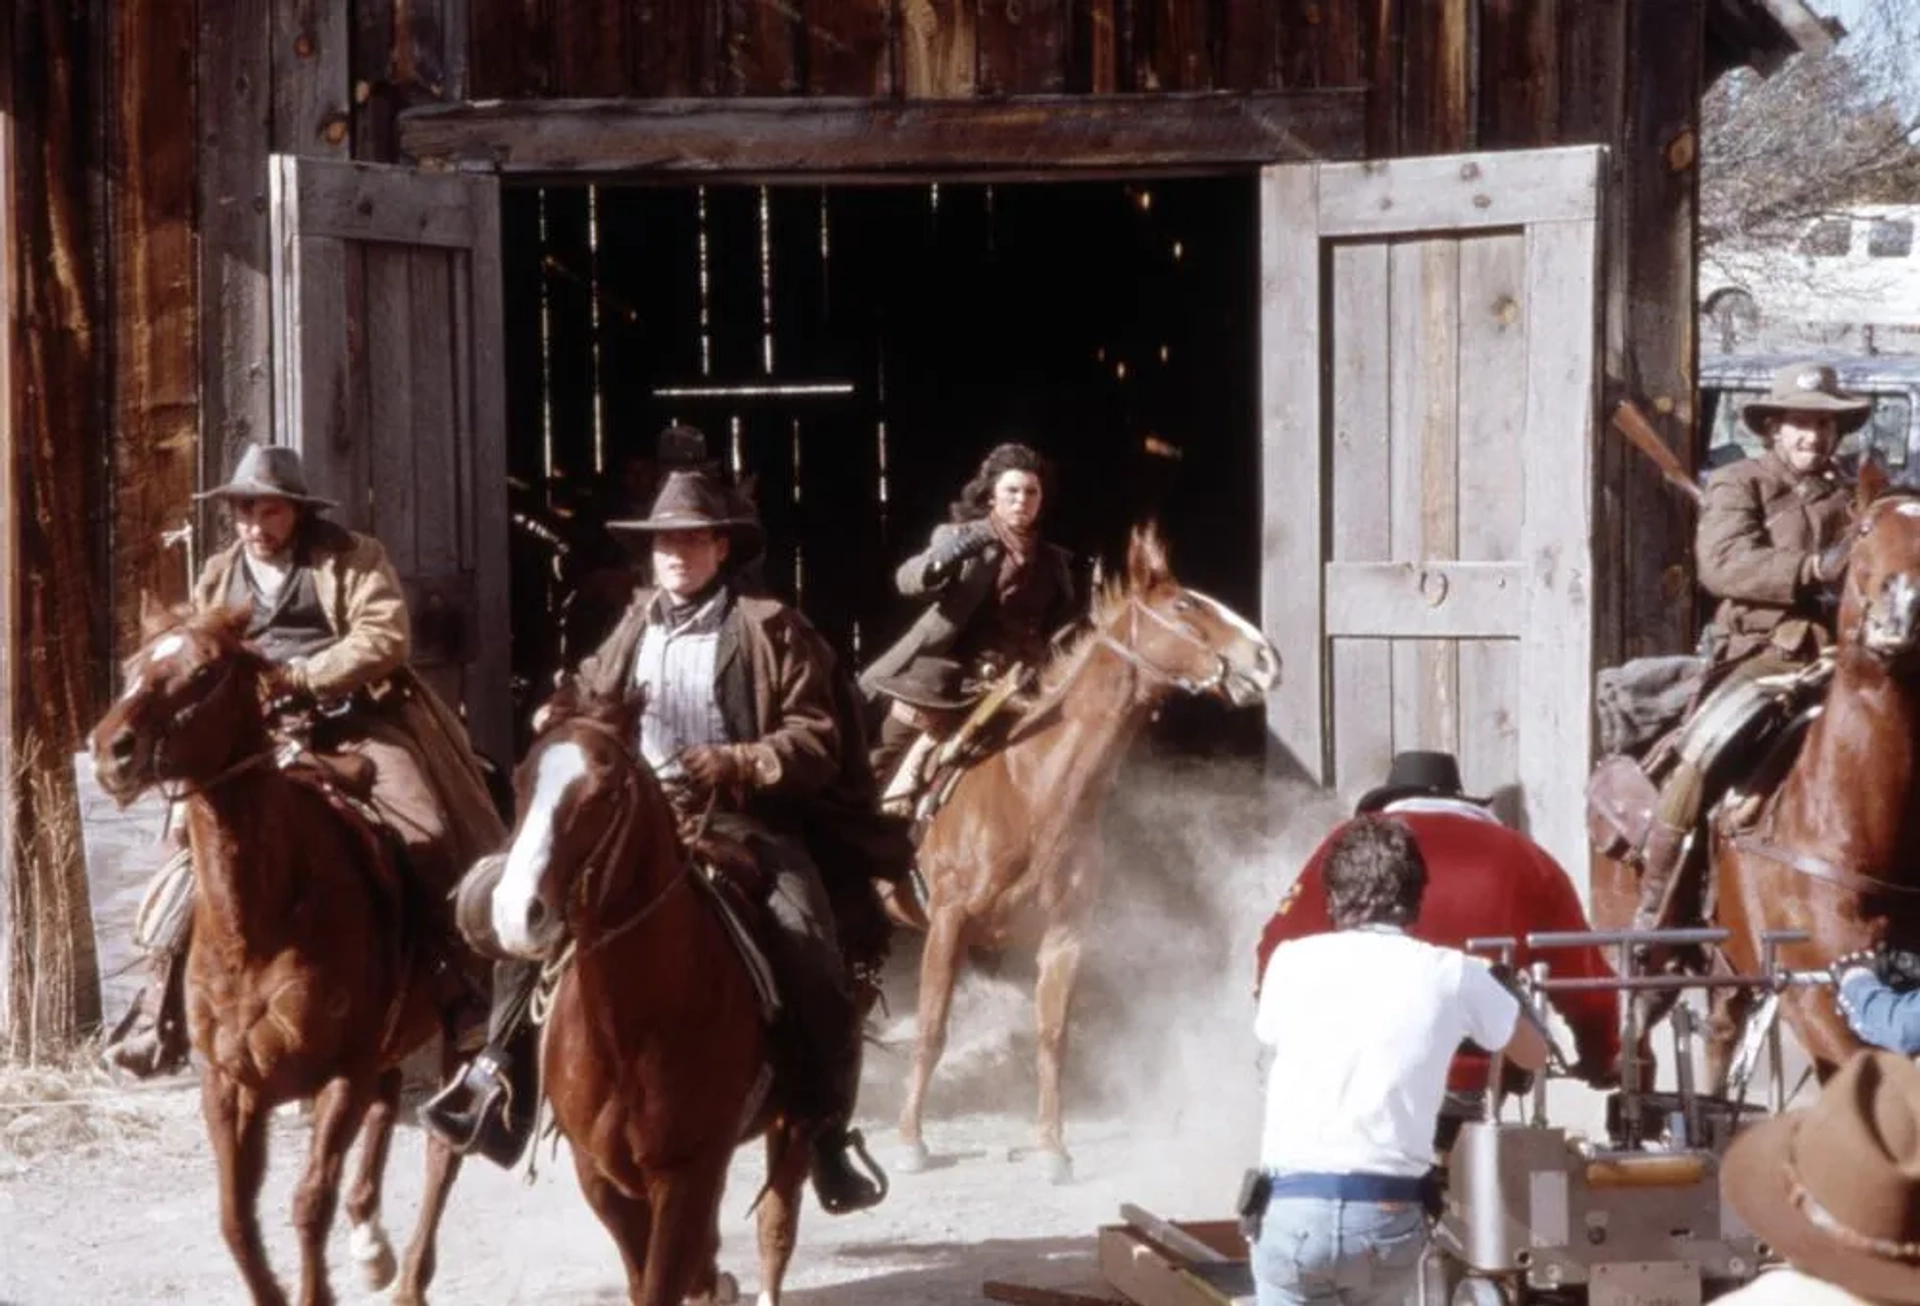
(655,1050)
(1835,850)
(1008,860)
(306,978)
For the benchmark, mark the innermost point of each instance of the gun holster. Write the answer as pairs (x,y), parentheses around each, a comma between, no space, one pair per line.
(1256,1188)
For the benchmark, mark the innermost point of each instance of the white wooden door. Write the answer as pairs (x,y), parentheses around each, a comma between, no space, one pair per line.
(1428,345)
(389,380)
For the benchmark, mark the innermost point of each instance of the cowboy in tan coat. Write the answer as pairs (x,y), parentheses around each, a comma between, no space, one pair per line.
(328,612)
(1772,547)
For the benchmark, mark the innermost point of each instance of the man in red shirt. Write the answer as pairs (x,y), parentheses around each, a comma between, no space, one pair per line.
(1484,881)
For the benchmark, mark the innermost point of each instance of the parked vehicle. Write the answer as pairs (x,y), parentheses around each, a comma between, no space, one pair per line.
(1729,381)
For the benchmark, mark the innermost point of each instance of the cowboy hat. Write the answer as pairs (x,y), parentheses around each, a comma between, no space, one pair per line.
(1418,773)
(268,471)
(929,682)
(1835,1187)
(698,501)
(1808,388)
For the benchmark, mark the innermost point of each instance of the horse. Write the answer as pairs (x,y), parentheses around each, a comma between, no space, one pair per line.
(1008,861)
(654,1045)
(1834,850)
(304,979)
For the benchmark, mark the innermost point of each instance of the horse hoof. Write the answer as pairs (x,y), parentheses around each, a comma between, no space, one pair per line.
(726,1290)
(368,1246)
(1059,1168)
(913,1158)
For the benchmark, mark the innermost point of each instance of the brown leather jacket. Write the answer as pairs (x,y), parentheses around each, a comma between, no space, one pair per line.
(1759,529)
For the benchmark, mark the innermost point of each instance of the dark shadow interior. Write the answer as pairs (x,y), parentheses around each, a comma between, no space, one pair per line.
(855,351)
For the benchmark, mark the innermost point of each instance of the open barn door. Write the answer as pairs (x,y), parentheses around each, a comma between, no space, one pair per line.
(1428,347)
(386,302)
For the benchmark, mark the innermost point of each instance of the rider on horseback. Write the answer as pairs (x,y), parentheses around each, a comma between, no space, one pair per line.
(741,722)
(1772,548)
(999,591)
(328,612)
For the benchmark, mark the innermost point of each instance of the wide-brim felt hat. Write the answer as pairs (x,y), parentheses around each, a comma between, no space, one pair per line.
(1808,388)
(1418,773)
(699,501)
(1835,1187)
(269,471)
(930,682)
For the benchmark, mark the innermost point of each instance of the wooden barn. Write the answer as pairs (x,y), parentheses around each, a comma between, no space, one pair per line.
(1333,288)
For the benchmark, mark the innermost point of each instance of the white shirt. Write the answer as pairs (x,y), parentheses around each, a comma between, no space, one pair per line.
(269,575)
(675,669)
(1363,1024)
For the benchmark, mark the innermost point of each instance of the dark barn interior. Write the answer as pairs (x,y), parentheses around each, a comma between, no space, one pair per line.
(853,351)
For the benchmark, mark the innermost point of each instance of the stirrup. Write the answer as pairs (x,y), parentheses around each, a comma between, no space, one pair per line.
(852,1141)
(462,1129)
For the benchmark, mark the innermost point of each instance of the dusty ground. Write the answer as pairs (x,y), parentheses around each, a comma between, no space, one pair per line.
(107,1189)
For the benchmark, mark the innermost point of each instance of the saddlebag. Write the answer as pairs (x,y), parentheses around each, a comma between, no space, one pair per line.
(1620,805)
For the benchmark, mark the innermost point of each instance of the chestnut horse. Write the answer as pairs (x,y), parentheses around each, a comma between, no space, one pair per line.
(654,1048)
(301,981)
(1008,860)
(1835,850)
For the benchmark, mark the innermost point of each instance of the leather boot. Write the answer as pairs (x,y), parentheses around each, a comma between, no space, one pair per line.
(841,1187)
(490,1106)
(151,1038)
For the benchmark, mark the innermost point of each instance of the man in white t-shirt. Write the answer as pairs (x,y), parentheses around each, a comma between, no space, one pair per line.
(1363,1024)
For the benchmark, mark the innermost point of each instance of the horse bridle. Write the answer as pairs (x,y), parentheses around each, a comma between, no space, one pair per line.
(181,717)
(599,857)
(1179,680)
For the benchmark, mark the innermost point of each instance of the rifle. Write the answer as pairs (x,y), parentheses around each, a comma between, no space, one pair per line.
(1633,424)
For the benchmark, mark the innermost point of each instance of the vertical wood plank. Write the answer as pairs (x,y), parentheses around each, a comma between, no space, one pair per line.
(1261,47)
(590,49)
(1435,77)
(511,48)
(373,73)
(676,46)
(236,368)
(1556,658)
(762,43)
(479,370)
(1173,49)
(436,434)
(937,48)
(1358,528)
(1519,71)
(1382,28)
(1493,369)
(847,47)
(1423,348)
(1021,46)
(1291,452)
(391,392)
(311,56)
(156,398)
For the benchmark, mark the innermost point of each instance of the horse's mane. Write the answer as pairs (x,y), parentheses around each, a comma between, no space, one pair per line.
(1109,597)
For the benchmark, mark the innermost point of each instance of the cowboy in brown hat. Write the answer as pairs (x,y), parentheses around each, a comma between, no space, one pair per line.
(740,712)
(1772,547)
(329,614)
(1834,1189)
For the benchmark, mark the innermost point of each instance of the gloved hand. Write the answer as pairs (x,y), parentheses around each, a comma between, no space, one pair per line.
(1829,567)
(945,559)
(1869,961)
(718,766)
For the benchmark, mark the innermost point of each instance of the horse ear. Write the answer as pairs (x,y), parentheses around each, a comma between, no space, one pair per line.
(154,616)
(1147,559)
(231,620)
(1874,482)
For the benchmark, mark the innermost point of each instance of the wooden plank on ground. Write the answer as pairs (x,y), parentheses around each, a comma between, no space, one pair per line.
(1556,740)
(1020,1294)
(1015,137)
(1291,454)
(156,398)
(233,72)
(1493,409)
(311,53)
(1361,669)
(1484,190)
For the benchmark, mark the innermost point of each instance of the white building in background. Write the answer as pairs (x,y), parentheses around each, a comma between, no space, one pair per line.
(1849,280)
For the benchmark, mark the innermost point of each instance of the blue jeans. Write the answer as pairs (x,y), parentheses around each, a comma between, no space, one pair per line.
(1316,1251)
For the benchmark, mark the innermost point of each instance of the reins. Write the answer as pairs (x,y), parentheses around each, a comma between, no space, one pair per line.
(1133,656)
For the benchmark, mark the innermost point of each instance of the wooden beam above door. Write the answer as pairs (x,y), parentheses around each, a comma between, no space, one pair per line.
(815,139)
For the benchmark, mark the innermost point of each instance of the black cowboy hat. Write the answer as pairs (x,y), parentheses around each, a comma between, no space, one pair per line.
(1835,1187)
(269,471)
(1418,773)
(929,682)
(699,501)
